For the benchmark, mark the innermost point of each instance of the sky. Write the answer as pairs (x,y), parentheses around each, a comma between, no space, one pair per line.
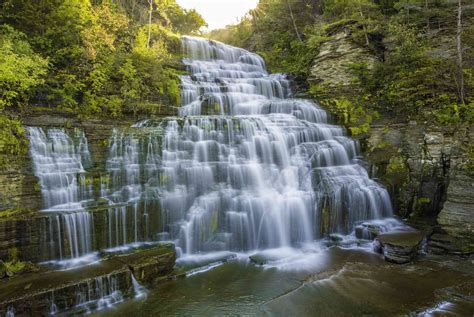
(219,13)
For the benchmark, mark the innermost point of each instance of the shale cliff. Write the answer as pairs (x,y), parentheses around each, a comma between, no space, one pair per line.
(424,166)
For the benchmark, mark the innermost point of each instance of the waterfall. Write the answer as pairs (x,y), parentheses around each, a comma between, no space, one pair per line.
(139,290)
(243,167)
(59,162)
(70,235)
(59,165)
(247,167)
(10,312)
(102,292)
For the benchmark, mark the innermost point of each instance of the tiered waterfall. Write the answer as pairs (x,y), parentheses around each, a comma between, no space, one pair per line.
(243,167)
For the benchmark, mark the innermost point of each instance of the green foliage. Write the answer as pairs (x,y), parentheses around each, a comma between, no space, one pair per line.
(350,111)
(13,266)
(397,165)
(92,57)
(13,141)
(468,165)
(21,70)
(415,77)
(185,21)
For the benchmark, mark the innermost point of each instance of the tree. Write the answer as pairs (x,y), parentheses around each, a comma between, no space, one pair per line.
(293,21)
(459,50)
(21,70)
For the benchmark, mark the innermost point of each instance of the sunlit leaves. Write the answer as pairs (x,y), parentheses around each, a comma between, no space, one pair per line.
(21,70)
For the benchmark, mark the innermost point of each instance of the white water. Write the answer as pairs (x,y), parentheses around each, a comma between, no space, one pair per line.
(245,167)
(59,161)
(59,165)
(139,290)
(10,312)
(103,292)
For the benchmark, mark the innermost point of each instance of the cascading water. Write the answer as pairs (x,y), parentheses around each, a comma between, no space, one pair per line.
(59,165)
(244,168)
(59,162)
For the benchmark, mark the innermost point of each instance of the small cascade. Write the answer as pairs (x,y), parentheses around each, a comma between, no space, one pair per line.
(139,291)
(10,312)
(70,232)
(70,235)
(59,162)
(101,293)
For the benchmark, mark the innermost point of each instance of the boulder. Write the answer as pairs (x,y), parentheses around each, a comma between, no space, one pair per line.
(399,247)
(367,231)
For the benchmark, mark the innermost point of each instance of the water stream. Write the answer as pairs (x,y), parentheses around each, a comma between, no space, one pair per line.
(244,169)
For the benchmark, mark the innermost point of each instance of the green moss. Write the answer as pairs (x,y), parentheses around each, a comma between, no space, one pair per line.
(18,213)
(37,187)
(163,179)
(86,181)
(423,200)
(397,165)
(10,213)
(468,165)
(349,110)
(14,267)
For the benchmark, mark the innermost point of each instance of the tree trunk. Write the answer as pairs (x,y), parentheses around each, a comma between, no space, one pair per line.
(427,12)
(363,25)
(149,23)
(293,20)
(459,51)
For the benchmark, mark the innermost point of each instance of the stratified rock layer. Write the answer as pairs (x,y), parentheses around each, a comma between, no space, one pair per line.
(457,216)
(331,67)
(35,294)
(400,247)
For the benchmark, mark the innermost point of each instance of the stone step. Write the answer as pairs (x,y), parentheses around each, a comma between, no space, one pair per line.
(88,287)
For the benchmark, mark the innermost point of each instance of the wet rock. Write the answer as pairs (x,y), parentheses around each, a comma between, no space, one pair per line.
(263,258)
(399,247)
(333,241)
(367,231)
(441,243)
(33,294)
(334,237)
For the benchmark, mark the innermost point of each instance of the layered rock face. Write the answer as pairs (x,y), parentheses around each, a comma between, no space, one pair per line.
(331,65)
(457,216)
(82,290)
(400,247)
(21,226)
(420,164)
